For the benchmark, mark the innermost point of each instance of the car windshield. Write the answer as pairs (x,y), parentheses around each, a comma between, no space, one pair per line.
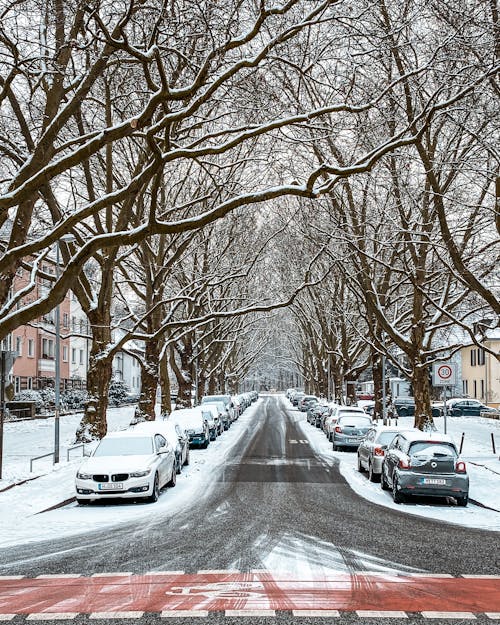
(432,448)
(125,446)
(354,421)
(385,438)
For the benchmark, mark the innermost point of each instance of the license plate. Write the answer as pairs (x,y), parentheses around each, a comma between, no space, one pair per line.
(115,486)
(435,481)
(352,440)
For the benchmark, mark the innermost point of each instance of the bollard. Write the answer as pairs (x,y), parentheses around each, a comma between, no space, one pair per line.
(493,443)
(462,442)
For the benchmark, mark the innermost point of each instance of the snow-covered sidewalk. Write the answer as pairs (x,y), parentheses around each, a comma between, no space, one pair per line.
(483,467)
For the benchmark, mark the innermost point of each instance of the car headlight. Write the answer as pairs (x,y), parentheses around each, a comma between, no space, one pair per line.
(83,476)
(140,473)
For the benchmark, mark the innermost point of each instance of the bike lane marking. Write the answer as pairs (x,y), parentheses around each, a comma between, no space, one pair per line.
(248,592)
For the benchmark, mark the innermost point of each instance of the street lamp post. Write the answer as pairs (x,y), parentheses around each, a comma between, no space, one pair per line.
(57,400)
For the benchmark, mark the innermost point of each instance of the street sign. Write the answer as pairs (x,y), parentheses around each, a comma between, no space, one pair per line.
(444,374)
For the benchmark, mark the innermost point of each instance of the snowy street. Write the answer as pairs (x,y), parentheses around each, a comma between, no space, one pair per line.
(268,496)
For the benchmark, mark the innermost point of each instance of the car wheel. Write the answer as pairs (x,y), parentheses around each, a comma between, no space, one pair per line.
(82,502)
(373,477)
(462,501)
(361,468)
(396,494)
(156,490)
(173,479)
(178,465)
(384,485)
(186,461)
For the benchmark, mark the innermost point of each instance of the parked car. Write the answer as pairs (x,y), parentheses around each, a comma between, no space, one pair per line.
(350,430)
(371,450)
(466,407)
(215,416)
(127,464)
(423,463)
(336,412)
(175,435)
(225,399)
(305,400)
(296,397)
(196,426)
(222,411)
(405,407)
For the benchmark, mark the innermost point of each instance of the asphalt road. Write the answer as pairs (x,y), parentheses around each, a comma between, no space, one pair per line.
(276,505)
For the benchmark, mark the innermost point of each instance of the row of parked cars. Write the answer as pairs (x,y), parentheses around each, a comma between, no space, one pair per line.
(138,462)
(407,462)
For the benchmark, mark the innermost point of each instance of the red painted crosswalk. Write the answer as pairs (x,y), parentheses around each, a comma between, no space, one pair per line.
(257,591)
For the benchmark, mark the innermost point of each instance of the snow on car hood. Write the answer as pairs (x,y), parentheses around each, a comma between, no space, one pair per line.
(117,464)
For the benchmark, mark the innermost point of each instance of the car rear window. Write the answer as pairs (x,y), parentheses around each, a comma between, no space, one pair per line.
(354,420)
(386,438)
(432,448)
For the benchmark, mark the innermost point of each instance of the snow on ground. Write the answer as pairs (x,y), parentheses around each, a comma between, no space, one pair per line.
(20,506)
(483,467)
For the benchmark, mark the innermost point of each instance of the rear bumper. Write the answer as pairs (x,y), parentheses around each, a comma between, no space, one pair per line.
(413,484)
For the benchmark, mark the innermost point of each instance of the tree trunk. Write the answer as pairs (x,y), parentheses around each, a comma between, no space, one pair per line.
(421,391)
(94,423)
(149,380)
(378,392)
(166,399)
(184,374)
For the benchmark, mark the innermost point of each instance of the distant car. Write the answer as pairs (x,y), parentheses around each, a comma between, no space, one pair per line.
(196,426)
(466,407)
(336,412)
(226,399)
(175,435)
(296,397)
(371,450)
(305,400)
(214,415)
(424,463)
(350,429)
(405,407)
(127,464)
(222,410)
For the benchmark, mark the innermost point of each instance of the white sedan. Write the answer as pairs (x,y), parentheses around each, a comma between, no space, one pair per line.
(128,464)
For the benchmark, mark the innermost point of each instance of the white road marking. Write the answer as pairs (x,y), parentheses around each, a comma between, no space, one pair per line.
(110,615)
(55,576)
(436,575)
(250,613)
(444,615)
(218,572)
(6,617)
(317,613)
(2,577)
(495,616)
(55,616)
(111,574)
(165,573)
(480,576)
(381,614)
(183,613)
(293,441)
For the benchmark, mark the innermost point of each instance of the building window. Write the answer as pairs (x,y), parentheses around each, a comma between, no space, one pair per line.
(475,389)
(483,395)
(29,383)
(17,384)
(19,345)
(73,356)
(65,320)
(65,353)
(48,349)
(465,387)
(473,357)
(81,356)
(31,348)
(480,357)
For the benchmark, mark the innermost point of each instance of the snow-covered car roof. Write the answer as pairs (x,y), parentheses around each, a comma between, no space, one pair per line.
(164,427)
(417,435)
(187,416)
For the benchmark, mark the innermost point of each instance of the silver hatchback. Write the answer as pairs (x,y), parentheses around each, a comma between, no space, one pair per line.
(371,450)
(349,431)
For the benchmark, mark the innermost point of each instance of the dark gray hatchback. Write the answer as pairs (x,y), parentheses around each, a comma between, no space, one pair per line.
(422,463)
(350,430)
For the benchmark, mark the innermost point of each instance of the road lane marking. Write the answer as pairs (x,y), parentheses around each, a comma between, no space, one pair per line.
(317,613)
(446,615)
(218,572)
(111,574)
(51,616)
(111,615)
(61,576)
(495,616)
(165,573)
(381,614)
(183,613)
(7,617)
(2,577)
(253,613)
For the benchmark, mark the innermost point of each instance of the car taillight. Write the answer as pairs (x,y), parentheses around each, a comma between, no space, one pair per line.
(338,429)
(460,467)
(378,451)
(404,464)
